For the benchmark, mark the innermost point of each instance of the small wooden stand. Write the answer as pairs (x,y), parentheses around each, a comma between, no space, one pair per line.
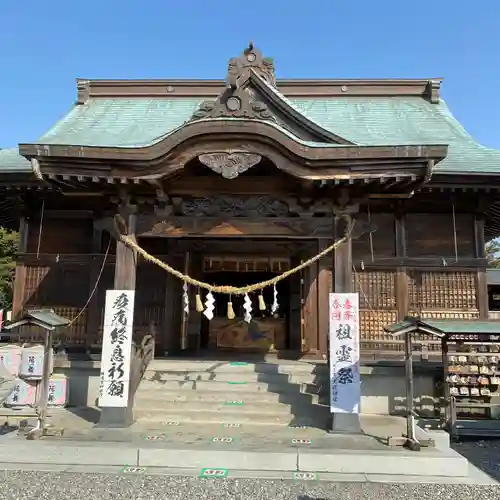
(48,321)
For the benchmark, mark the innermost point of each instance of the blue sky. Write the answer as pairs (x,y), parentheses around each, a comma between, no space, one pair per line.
(44,46)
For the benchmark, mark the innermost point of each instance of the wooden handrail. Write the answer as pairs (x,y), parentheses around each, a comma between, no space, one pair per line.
(142,355)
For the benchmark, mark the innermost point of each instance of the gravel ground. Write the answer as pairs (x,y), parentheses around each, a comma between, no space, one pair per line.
(17,485)
(485,455)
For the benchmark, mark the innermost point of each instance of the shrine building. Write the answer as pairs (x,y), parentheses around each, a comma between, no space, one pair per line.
(233,182)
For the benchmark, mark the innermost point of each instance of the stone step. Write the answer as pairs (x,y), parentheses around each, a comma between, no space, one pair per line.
(233,376)
(214,385)
(230,406)
(252,414)
(159,397)
(276,366)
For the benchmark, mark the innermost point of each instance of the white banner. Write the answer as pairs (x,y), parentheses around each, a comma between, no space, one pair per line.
(345,383)
(116,348)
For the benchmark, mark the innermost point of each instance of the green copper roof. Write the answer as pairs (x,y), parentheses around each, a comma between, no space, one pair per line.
(365,121)
(465,326)
(11,161)
(446,326)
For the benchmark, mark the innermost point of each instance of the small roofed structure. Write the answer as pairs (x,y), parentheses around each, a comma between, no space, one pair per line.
(443,327)
(410,325)
(44,318)
(407,327)
(473,340)
(49,321)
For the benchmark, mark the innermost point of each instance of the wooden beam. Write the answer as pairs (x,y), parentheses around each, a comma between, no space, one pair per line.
(152,225)
(20,273)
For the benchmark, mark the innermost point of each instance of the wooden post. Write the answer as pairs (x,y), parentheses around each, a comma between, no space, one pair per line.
(482,282)
(295,312)
(324,277)
(93,313)
(125,279)
(342,283)
(401,284)
(20,275)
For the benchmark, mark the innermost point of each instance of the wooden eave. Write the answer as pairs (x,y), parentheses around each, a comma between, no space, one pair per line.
(473,181)
(23,181)
(428,88)
(234,131)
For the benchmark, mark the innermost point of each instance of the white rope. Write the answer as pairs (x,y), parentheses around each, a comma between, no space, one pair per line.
(370,233)
(40,227)
(455,232)
(95,285)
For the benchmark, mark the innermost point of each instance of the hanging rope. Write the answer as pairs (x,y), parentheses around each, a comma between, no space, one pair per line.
(230,290)
(370,234)
(455,232)
(95,285)
(40,227)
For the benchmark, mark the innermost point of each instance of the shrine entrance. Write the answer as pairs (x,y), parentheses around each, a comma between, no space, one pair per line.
(272,324)
(266,329)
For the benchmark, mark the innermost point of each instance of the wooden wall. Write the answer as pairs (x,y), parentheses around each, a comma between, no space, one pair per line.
(61,267)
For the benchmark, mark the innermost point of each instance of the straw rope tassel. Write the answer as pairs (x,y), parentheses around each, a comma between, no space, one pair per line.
(230,310)
(199,303)
(262,303)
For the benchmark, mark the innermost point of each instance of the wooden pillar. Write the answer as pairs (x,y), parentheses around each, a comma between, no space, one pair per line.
(482,282)
(342,282)
(18,295)
(125,279)
(401,284)
(294,341)
(93,313)
(126,260)
(324,285)
(309,340)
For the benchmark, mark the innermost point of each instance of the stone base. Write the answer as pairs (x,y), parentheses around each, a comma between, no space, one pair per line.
(115,418)
(345,423)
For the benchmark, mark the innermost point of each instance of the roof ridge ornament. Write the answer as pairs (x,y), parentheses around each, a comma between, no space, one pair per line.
(239,68)
(238,101)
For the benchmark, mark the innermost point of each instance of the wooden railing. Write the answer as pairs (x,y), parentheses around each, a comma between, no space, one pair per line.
(142,355)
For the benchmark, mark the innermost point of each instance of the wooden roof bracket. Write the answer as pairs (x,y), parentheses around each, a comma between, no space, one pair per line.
(427,176)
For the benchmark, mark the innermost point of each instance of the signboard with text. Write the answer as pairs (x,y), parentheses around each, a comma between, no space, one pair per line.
(345,383)
(116,348)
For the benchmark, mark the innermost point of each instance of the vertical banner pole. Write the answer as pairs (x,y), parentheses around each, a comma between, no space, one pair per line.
(116,356)
(345,381)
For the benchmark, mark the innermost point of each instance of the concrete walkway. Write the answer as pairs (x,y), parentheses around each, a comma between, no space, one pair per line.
(300,462)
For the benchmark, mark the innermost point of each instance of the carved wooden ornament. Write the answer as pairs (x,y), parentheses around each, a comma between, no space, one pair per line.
(230,165)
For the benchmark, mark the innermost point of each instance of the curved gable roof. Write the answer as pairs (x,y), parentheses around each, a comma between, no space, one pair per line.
(376,121)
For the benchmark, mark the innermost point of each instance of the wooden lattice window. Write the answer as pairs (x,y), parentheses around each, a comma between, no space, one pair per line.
(376,289)
(372,324)
(377,302)
(442,290)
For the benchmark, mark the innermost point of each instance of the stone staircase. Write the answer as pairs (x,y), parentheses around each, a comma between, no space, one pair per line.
(220,392)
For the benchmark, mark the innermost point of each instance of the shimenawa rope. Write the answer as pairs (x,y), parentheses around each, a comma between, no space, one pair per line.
(230,290)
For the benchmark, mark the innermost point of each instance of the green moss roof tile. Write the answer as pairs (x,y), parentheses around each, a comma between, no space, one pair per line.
(12,162)
(377,121)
